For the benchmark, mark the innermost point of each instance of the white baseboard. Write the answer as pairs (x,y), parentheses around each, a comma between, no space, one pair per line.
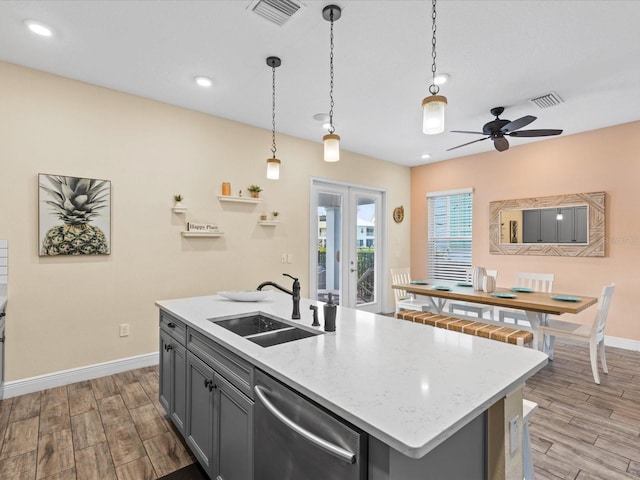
(625,343)
(66,377)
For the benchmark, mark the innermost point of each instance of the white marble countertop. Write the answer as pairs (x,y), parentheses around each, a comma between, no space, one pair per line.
(411,386)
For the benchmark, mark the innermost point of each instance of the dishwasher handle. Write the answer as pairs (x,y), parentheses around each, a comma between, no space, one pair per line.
(323,444)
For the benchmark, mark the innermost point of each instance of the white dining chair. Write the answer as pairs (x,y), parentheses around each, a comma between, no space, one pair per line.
(470,307)
(405,300)
(538,282)
(592,334)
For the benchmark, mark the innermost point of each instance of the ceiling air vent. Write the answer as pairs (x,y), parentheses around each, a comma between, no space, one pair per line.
(276,11)
(548,100)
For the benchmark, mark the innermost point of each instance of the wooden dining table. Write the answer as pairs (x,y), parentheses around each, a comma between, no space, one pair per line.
(537,305)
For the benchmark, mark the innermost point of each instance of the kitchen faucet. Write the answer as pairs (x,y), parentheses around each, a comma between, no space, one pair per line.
(294,292)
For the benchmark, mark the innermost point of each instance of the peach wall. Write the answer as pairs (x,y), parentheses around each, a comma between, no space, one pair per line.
(600,160)
(64,313)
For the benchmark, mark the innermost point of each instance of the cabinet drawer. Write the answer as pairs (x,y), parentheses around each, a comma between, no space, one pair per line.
(174,327)
(236,370)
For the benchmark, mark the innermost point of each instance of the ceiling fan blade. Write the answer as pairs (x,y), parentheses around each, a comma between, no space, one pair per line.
(501,144)
(465,131)
(534,133)
(517,124)
(468,143)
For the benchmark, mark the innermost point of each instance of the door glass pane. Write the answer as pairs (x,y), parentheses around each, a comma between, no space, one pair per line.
(329,223)
(366,245)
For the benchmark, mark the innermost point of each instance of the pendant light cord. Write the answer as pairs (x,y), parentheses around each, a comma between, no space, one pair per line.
(273,110)
(331,127)
(433,88)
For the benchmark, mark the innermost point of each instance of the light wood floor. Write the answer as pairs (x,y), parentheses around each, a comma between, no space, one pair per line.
(581,430)
(114,428)
(110,428)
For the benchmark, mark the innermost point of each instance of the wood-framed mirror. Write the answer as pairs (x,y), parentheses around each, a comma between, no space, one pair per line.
(571,225)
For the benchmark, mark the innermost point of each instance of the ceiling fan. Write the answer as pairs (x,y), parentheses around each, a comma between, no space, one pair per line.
(497,129)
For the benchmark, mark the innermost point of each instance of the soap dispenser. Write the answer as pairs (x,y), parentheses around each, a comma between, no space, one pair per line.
(330,315)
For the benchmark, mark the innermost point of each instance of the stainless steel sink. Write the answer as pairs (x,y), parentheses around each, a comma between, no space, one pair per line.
(264,330)
(251,324)
(281,336)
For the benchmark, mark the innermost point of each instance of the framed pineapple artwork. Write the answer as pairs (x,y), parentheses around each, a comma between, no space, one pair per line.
(74,216)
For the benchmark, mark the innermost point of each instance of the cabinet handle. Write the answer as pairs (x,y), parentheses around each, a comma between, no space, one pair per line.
(171,325)
(212,386)
(168,347)
(207,383)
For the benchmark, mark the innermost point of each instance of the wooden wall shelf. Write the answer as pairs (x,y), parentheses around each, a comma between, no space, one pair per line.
(228,198)
(202,234)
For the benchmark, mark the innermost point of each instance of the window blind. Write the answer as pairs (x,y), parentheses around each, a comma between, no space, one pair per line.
(449,236)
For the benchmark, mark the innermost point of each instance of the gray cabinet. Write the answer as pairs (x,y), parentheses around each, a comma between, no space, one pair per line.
(200,411)
(233,433)
(172,384)
(219,427)
(547,226)
(2,320)
(211,401)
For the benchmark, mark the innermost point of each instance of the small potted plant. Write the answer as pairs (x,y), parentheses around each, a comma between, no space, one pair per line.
(275,214)
(255,190)
(178,200)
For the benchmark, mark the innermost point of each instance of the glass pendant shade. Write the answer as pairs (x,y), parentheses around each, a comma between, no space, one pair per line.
(331,147)
(433,114)
(273,168)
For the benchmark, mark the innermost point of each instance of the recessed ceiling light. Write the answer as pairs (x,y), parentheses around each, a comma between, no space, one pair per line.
(324,118)
(441,78)
(203,81)
(39,28)
(425,156)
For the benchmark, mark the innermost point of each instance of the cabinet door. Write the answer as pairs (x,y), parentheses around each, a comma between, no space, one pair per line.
(178,385)
(531,226)
(566,226)
(548,226)
(582,225)
(165,372)
(200,413)
(233,433)
(172,392)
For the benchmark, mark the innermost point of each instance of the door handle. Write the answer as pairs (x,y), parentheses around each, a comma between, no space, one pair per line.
(321,443)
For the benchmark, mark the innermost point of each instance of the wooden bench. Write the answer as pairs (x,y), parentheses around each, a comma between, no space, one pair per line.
(480,329)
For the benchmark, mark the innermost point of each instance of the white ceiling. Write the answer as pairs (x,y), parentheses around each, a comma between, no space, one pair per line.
(498,53)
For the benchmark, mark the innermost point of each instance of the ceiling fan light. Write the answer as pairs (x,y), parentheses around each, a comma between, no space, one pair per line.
(331,147)
(273,168)
(433,114)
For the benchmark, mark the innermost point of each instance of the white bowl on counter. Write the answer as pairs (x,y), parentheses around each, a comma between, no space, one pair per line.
(245,295)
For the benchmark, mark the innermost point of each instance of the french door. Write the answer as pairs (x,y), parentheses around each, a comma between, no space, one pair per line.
(346,247)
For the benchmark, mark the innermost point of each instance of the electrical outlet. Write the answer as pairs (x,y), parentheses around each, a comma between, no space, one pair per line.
(124,329)
(283,258)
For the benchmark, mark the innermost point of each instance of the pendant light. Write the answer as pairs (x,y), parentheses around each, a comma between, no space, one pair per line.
(273,164)
(433,105)
(331,141)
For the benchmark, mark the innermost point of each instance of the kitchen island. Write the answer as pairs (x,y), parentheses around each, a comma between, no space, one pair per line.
(410,387)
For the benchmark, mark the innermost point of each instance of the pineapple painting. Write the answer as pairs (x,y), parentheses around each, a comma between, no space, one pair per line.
(83,205)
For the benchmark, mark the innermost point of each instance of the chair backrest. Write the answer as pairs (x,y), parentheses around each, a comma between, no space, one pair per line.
(399,276)
(539,282)
(603,311)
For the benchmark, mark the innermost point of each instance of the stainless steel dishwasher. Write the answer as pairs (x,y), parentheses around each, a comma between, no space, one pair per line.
(296,439)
